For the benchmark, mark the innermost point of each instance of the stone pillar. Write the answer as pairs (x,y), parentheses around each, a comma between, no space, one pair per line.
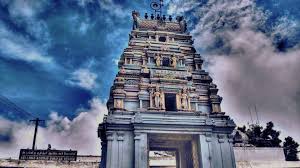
(178,101)
(141,150)
(120,150)
(204,151)
(185,155)
(195,155)
(120,141)
(151,99)
(216,153)
(230,142)
(141,104)
(103,154)
(110,152)
(226,152)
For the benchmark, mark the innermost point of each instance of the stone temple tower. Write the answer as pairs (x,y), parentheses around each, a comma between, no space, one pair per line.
(162,99)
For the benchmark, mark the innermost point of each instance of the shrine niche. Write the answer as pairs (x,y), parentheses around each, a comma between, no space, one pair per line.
(162,99)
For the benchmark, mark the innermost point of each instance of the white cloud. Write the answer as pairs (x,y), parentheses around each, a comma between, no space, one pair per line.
(83,27)
(114,9)
(246,66)
(26,15)
(178,7)
(17,47)
(61,132)
(24,9)
(83,78)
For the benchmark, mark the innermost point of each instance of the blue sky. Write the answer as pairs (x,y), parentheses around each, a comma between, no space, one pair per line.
(58,56)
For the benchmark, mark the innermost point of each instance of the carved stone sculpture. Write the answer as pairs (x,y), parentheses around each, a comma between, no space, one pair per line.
(157,98)
(157,60)
(118,104)
(136,20)
(184,99)
(174,61)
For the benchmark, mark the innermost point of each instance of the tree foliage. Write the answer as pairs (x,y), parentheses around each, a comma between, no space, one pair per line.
(290,149)
(262,137)
(269,137)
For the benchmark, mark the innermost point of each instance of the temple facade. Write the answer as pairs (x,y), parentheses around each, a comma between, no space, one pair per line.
(162,100)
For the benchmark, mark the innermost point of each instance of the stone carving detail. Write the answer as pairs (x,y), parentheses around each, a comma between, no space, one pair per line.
(120,136)
(183,100)
(131,82)
(169,74)
(118,104)
(136,20)
(145,70)
(174,61)
(158,60)
(122,70)
(182,23)
(157,99)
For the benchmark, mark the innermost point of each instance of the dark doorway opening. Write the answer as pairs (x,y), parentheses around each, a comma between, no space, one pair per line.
(170,102)
(162,39)
(166,62)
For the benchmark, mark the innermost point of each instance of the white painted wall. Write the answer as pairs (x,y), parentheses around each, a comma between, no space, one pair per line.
(258,154)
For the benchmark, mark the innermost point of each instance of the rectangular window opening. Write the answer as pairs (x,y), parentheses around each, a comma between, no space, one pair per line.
(166,62)
(170,102)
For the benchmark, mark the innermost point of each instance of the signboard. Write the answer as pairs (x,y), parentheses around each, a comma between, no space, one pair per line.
(55,155)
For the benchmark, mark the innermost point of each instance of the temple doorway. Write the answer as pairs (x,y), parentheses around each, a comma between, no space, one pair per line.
(180,150)
(170,102)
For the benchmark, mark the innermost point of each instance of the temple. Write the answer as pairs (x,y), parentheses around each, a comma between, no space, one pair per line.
(162,100)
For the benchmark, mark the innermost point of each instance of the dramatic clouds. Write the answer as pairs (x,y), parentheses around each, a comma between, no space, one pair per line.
(244,57)
(58,55)
(61,132)
(15,47)
(83,78)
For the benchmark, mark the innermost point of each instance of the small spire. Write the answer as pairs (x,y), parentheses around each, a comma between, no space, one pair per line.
(158,17)
(152,16)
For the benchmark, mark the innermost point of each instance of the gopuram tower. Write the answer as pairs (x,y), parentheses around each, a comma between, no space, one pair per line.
(162,99)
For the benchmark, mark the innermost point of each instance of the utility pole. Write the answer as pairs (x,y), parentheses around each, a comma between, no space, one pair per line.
(37,121)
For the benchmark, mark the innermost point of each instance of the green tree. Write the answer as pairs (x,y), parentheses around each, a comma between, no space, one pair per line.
(242,129)
(270,136)
(262,137)
(290,149)
(254,134)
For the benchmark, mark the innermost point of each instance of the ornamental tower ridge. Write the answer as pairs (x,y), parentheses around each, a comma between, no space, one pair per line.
(161,98)
(159,65)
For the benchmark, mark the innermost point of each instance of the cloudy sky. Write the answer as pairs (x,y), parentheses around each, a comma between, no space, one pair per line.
(58,61)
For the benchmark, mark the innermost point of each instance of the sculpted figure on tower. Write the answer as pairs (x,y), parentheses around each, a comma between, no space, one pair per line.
(157,97)
(157,60)
(174,61)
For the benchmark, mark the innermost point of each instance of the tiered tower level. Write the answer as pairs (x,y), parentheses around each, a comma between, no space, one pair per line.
(162,99)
